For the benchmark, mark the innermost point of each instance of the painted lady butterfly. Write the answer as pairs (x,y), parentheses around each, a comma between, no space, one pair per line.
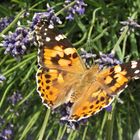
(62,76)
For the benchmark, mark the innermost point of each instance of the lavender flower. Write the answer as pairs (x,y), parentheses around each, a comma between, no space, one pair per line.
(15,98)
(130,23)
(73,125)
(107,60)
(87,57)
(109,108)
(16,43)
(4,22)
(49,15)
(2,78)
(78,7)
(65,111)
(7,132)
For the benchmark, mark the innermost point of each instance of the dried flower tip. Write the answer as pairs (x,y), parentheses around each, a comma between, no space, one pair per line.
(131,23)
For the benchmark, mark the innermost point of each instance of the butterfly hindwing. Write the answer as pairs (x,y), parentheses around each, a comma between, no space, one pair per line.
(52,87)
(106,85)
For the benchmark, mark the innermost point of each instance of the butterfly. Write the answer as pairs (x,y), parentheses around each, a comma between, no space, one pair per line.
(62,76)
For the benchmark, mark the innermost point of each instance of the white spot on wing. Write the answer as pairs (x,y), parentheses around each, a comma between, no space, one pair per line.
(38,37)
(59,37)
(50,26)
(40,43)
(126,86)
(48,39)
(134,64)
(137,71)
(136,78)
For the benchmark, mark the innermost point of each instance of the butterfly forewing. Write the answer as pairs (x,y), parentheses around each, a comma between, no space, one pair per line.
(55,50)
(59,65)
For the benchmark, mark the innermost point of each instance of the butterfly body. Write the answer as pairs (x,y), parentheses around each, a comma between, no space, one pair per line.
(62,76)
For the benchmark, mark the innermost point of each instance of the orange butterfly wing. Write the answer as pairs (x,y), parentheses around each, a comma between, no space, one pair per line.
(60,65)
(63,77)
(55,50)
(102,88)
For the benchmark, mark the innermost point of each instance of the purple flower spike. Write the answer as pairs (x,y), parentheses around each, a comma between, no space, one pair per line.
(4,22)
(131,23)
(15,98)
(78,7)
(16,43)
(7,132)
(109,108)
(49,15)
(108,60)
(70,17)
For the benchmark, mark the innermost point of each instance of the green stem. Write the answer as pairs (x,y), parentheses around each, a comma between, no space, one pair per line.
(92,22)
(74,135)
(29,125)
(70,135)
(36,4)
(28,73)
(85,132)
(6,91)
(17,66)
(9,61)
(3,60)
(110,123)
(63,132)
(25,98)
(63,9)
(123,34)
(124,47)
(120,38)
(42,130)
(59,132)
(81,40)
(102,126)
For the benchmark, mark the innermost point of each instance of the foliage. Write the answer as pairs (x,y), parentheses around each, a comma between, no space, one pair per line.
(95,27)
